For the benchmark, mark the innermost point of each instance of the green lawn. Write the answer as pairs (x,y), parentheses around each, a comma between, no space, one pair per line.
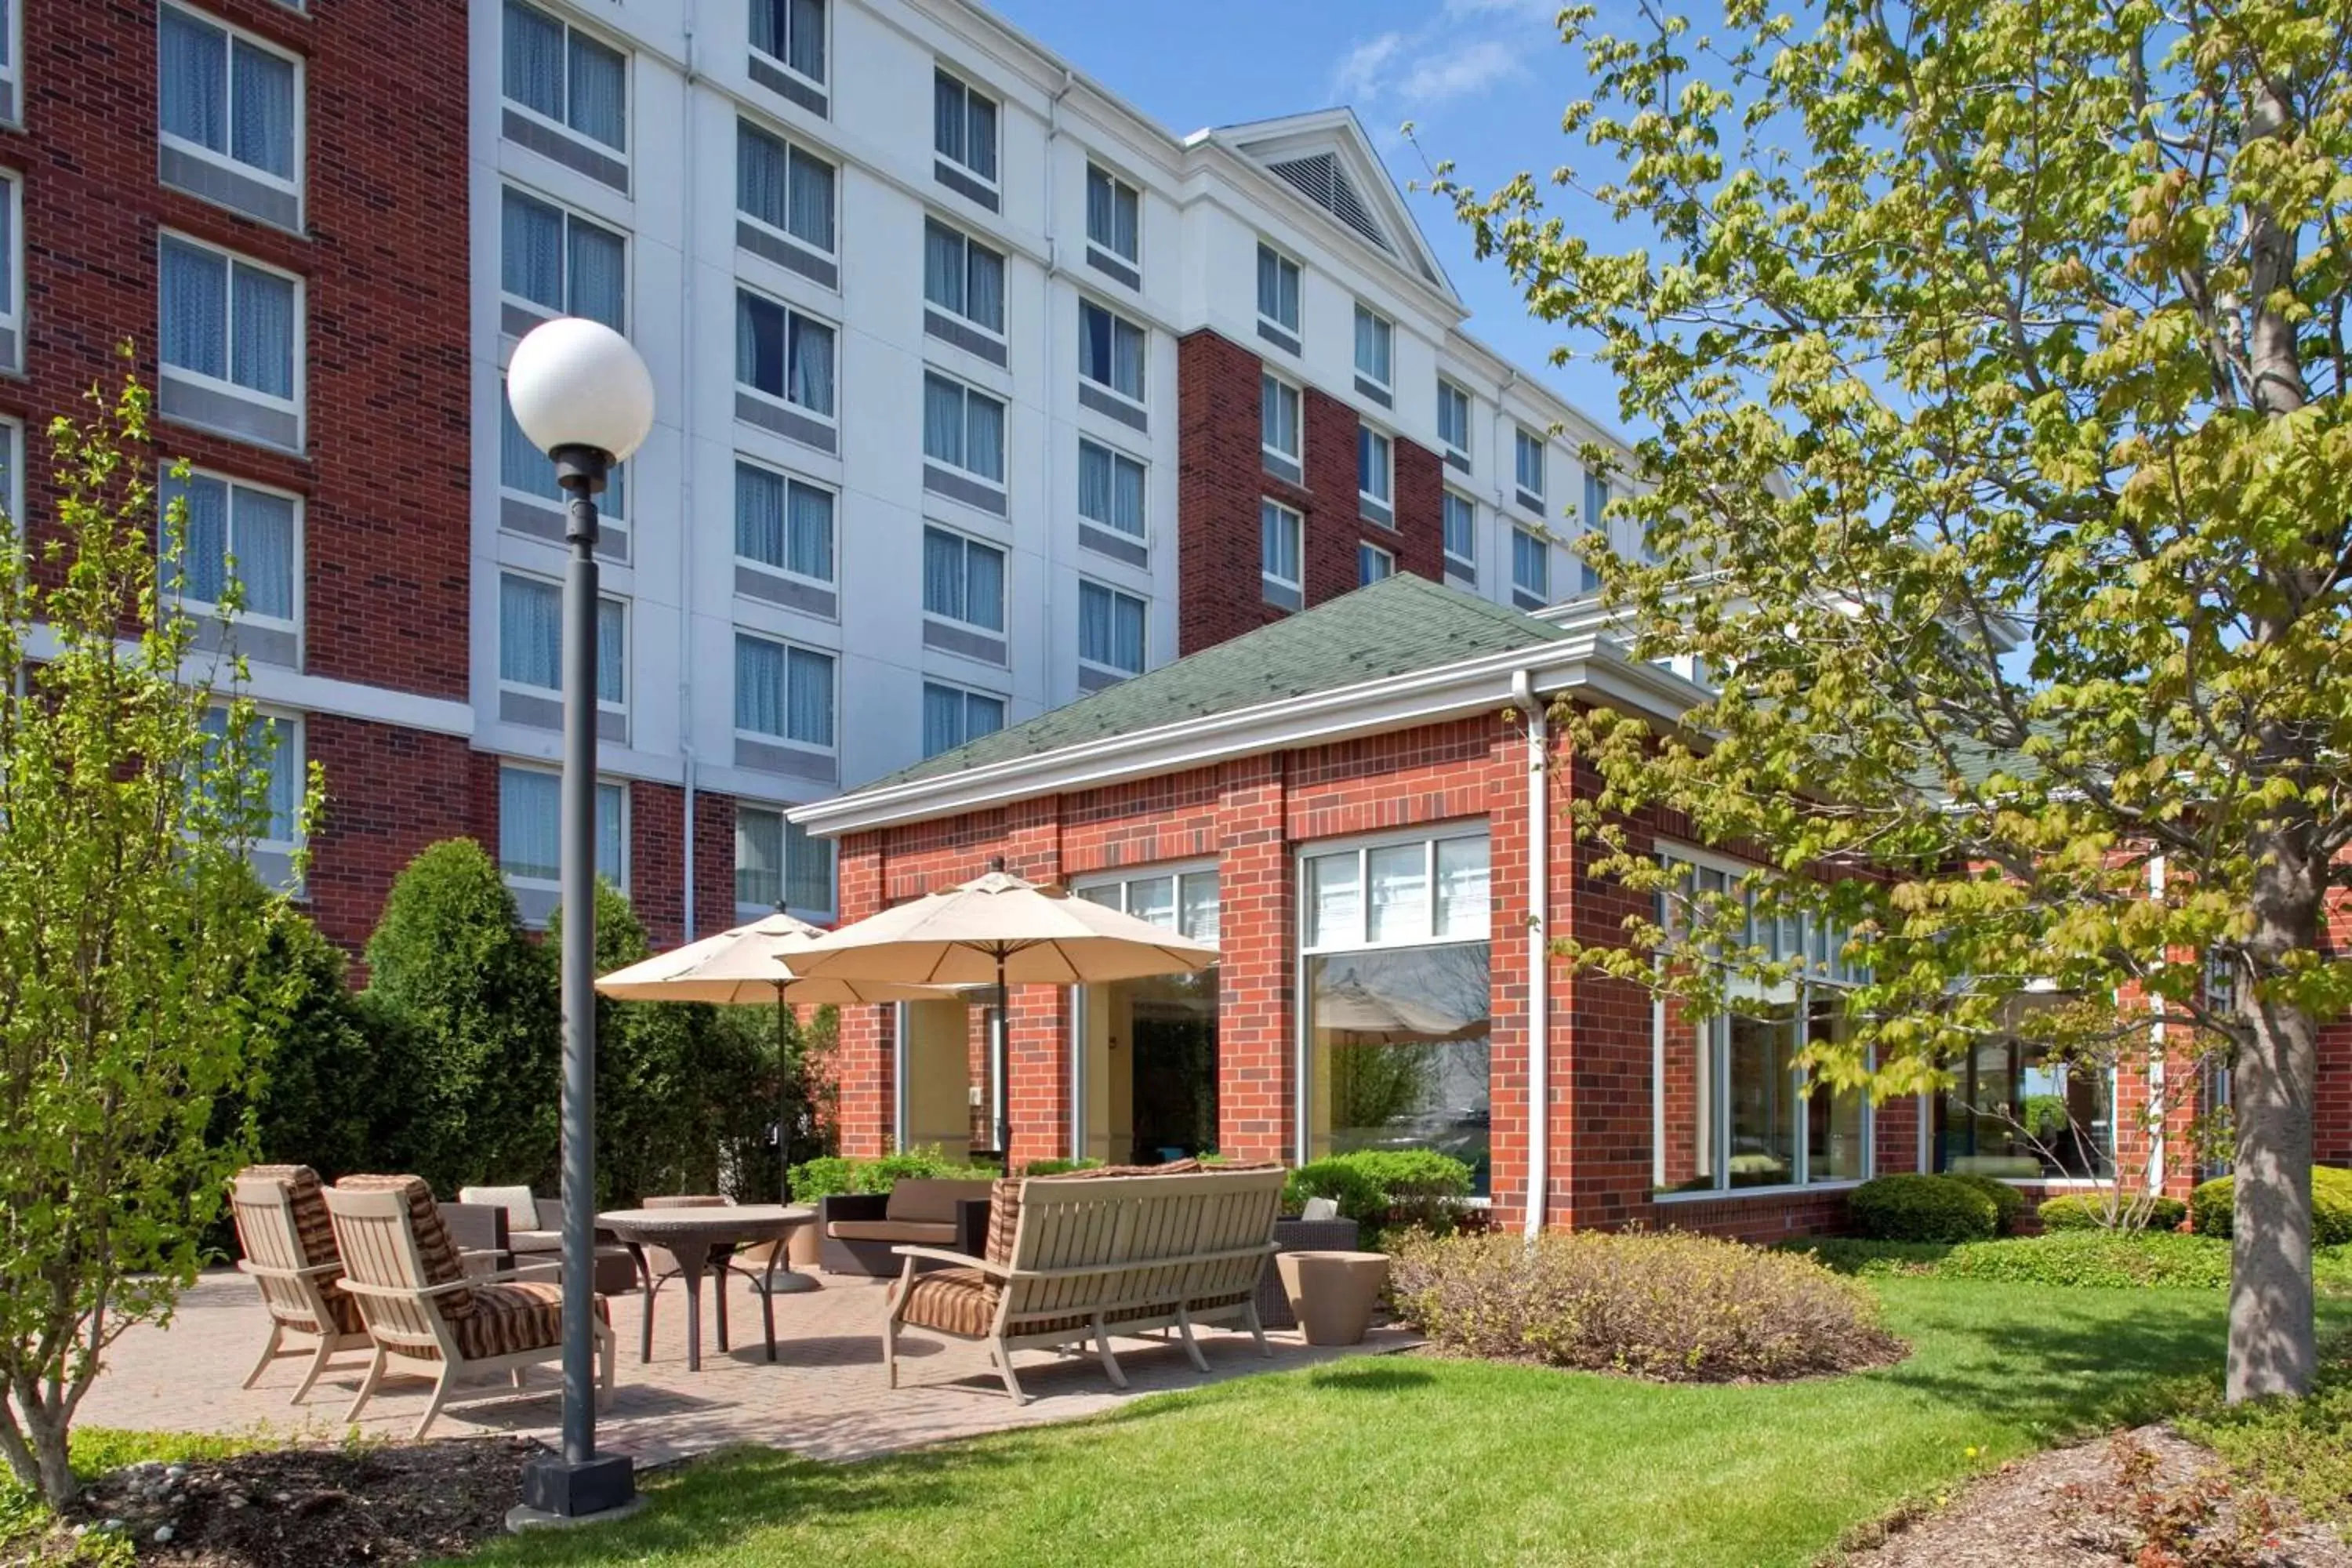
(1409,1460)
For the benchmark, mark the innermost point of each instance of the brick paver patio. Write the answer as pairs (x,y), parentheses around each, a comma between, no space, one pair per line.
(824,1397)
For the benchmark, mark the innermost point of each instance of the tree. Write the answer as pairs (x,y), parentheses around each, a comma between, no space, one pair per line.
(1993,353)
(472,1001)
(129,921)
(319,1097)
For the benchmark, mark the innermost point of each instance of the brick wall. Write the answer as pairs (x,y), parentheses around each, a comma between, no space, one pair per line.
(389,793)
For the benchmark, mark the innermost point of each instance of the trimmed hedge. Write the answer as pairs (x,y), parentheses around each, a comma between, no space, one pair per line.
(837,1174)
(2065,1259)
(1376,1187)
(2008,1203)
(2080,1211)
(1913,1208)
(1669,1306)
(2211,1206)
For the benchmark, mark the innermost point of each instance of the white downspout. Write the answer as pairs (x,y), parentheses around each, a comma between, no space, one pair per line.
(687,520)
(1539,950)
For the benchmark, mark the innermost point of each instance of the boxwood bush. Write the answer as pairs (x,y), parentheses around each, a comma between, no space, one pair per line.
(837,1174)
(1385,1186)
(1669,1306)
(1912,1208)
(2082,1211)
(2008,1203)
(2210,1206)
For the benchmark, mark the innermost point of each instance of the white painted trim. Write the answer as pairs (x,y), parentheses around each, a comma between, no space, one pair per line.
(1734,1195)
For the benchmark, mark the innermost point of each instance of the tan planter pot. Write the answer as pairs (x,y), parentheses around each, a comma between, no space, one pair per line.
(1333,1293)
(800,1246)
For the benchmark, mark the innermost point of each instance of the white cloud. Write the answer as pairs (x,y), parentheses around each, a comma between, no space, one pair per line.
(1364,68)
(1465,47)
(1472,68)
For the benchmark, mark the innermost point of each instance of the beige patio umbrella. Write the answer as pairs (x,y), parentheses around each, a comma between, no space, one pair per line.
(998,930)
(751,965)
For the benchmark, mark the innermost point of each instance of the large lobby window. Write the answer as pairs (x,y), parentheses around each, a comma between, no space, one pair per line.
(1393,940)
(2012,1112)
(1735,1110)
(1147,1079)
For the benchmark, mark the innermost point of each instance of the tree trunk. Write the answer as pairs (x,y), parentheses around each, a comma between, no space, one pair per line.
(38,1442)
(2273,1342)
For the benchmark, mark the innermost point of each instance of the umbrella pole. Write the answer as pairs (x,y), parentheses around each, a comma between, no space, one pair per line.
(1003,1029)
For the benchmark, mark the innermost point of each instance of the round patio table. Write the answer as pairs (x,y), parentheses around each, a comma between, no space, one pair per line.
(691,1236)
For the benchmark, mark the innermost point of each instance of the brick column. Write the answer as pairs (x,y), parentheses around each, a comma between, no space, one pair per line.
(1038,1032)
(864,1061)
(1257,991)
(1602,1123)
(714,863)
(658,861)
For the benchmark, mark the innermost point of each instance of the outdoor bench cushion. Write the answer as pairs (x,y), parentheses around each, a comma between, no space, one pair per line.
(534,1241)
(931,1200)
(913,1232)
(522,1209)
(513,1316)
(443,1265)
(962,1301)
(314,1232)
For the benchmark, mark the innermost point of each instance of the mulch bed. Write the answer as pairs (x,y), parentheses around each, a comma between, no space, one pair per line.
(378,1504)
(2084,1506)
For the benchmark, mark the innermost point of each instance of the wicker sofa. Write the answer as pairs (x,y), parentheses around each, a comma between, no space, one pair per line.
(857,1232)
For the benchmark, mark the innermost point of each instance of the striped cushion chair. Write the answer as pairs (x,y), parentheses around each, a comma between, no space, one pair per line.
(287,1249)
(427,1318)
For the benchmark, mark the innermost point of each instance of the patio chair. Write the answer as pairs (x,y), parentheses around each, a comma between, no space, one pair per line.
(289,1250)
(426,1316)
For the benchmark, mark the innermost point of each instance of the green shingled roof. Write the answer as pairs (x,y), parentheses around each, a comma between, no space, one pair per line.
(1395,626)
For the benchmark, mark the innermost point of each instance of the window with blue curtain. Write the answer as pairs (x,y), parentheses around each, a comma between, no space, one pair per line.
(1278,287)
(963,429)
(1372,563)
(273,749)
(1278,533)
(263,542)
(1111,628)
(1530,563)
(10,305)
(532,70)
(792,31)
(599,272)
(530,249)
(1452,416)
(784,354)
(952,716)
(261,330)
(759,856)
(530,632)
(194,305)
(1110,488)
(203,534)
(598,79)
(963,580)
(1461,527)
(783,186)
(1528,462)
(611,653)
(224,93)
(1596,521)
(962,276)
(782,690)
(1278,416)
(613,832)
(808,697)
(227,318)
(808,870)
(556,70)
(963,126)
(1373,346)
(1373,459)
(1113,214)
(531,837)
(784,522)
(809,381)
(1110,351)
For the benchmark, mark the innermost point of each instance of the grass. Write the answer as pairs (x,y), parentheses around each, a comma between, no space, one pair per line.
(2065,1259)
(95,1450)
(1414,1460)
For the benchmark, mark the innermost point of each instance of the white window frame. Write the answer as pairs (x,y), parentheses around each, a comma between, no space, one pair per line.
(1384,335)
(1177,873)
(970,541)
(571,215)
(220,383)
(12,305)
(1447,385)
(540,884)
(1283,258)
(786,645)
(966,693)
(1003,427)
(1596,521)
(1108,246)
(1116,594)
(746,459)
(791,145)
(1296,527)
(1384,472)
(783,64)
(1543,553)
(1140,396)
(1284,392)
(12,471)
(1142,530)
(1445,543)
(523,687)
(969,240)
(236,35)
(783,399)
(1366,552)
(202,608)
(971,91)
(624,153)
(1523,440)
(787,831)
(12,50)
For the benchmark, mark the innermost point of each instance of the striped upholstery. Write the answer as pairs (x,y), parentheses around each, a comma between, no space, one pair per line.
(959,1302)
(314,1234)
(434,1248)
(513,1316)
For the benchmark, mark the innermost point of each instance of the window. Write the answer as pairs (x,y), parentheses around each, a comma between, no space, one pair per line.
(1277,418)
(785,186)
(778,865)
(963,276)
(1394,938)
(1110,351)
(227,97)
(530,640)
(12,269)
(963,427)
(1111,489)
(1596,523)
(784,353)
(1183,901)
(1373,333)
(561,262)
(531,837)
(1281,533)
(229,320)
(1453,417)
(1112,215)
(525,471)
(1528,467)
(783,691)
(563,75)
(1277,289)
(792,32)
(11,109)
(1111,628)
(230,531)
(1531,564)
(963,126)
(2012,1112)
(963,580)
(784,522)
(272,750)
(1372,563)
(952,716)
(1461,518)
(1374,459)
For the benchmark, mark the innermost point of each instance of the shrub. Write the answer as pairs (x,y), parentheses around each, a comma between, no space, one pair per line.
(2082,1211)
(2094,1259)
(1377,1186)
(835,1175)
(1058,1167)
(1852,1255)
(2210,1206)
(1674,1307)
(1922,1208)
(2008,1203)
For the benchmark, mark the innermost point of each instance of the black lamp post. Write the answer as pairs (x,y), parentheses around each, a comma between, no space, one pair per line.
(582,396)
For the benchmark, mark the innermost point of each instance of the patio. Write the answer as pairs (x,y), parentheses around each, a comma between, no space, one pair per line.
(824,1397)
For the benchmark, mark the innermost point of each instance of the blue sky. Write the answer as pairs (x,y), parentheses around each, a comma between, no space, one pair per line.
(1483,82)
